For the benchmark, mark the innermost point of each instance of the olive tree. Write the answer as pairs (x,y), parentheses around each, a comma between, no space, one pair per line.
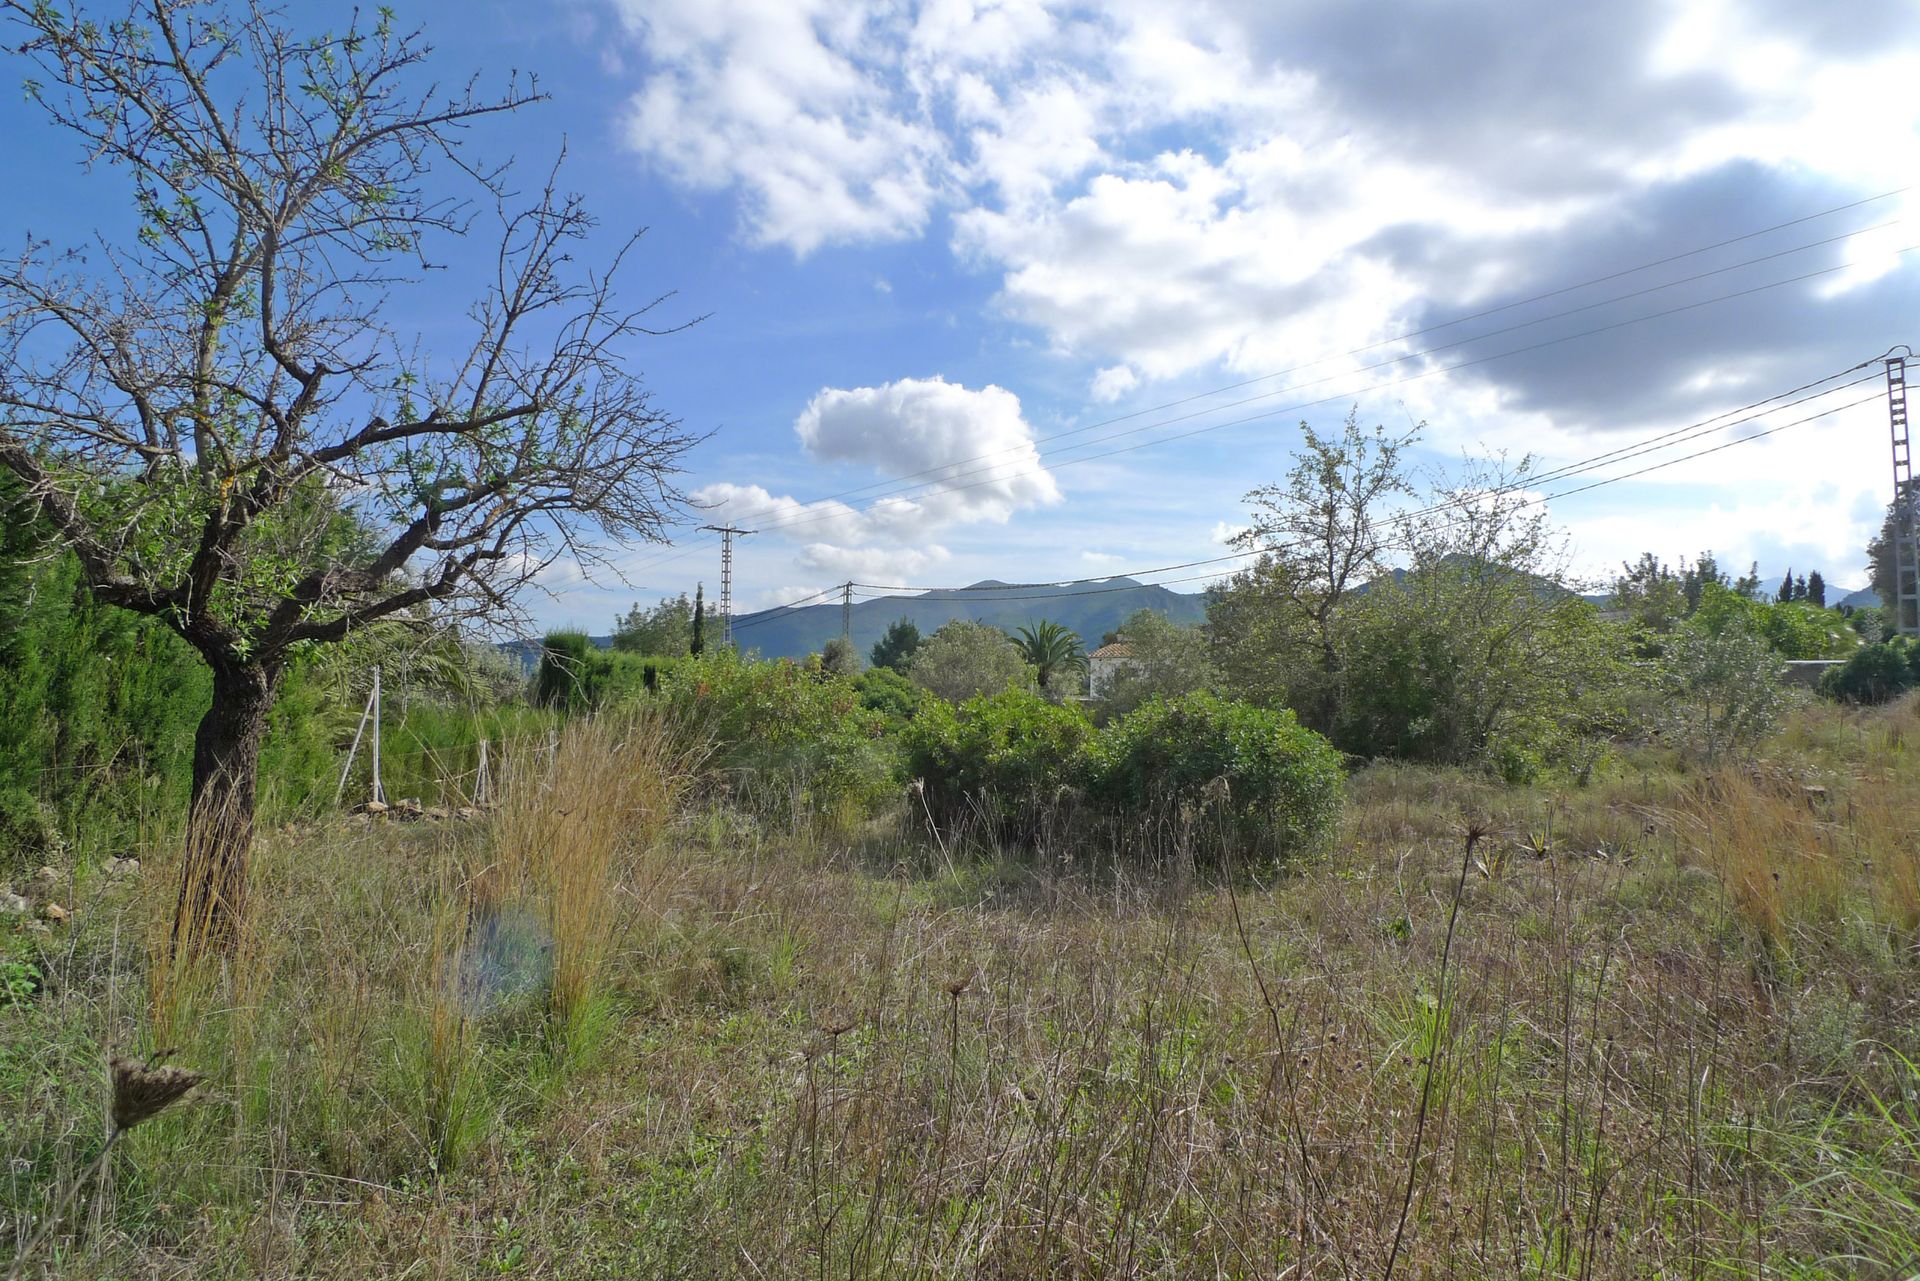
(212,411)
(965,658)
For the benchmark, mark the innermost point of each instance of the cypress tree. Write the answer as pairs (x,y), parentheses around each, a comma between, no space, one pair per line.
(699,620)
(1786,588)
(1816,593)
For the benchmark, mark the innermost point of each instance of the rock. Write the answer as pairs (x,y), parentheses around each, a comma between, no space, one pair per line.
(435,813)
(118,867)
(466,811)
(39,927)
(408,809)
(47,876)
(13,904)
(374,807)
(54,912)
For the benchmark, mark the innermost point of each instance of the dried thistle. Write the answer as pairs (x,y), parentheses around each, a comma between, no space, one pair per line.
(140,1091)
(143,1090)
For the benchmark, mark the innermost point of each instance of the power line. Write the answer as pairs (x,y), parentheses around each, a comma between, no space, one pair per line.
(1438,347)
(1325,400)
(1488,311)
(873,591)
(1691,431)
(1617,455)
(768,615)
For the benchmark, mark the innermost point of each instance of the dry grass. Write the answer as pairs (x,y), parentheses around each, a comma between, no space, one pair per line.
(576,830)
(1645,1056)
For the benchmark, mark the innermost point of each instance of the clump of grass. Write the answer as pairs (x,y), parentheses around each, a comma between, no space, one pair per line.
(571,833)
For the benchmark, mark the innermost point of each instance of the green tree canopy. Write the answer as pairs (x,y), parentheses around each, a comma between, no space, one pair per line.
(1165,660)
(661,630)
(966,658)
(896,649)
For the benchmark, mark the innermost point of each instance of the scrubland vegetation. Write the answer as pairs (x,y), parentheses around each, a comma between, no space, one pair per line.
(1416,916)
(1434,922)
(701,998)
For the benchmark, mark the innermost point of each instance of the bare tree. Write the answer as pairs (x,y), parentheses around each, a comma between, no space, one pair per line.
(211,413)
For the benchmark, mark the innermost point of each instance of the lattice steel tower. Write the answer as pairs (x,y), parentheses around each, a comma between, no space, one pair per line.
(1906,550)
(726,533)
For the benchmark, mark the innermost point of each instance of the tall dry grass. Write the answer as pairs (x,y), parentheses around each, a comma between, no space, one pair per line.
(575,835)
(1546,1056)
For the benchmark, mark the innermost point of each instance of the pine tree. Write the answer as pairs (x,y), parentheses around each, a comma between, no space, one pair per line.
(1816,593)
(901,642)
(1786,588)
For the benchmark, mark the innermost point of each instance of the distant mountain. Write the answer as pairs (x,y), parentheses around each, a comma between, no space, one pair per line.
(1090,609)
(1864,598)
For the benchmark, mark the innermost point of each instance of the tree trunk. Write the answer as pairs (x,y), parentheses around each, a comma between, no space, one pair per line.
(226,759)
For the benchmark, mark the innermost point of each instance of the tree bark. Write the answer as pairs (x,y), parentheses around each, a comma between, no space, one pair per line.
(226,760)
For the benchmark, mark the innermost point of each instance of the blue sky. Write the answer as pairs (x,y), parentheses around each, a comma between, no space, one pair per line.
(920,235)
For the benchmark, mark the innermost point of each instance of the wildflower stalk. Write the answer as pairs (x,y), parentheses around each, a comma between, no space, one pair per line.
(139,1091)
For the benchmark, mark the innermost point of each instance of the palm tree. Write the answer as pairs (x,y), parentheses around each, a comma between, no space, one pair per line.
(1051,649)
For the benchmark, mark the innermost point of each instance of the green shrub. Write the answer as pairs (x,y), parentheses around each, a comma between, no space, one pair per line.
(887,692)
(1279,784)
(564,678)
(786,735)
(575,675)
(1875,673)
(1006,757)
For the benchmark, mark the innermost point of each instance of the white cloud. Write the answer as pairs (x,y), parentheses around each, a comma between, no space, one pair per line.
(960,456)
(1103,560)
(782,99)
(882,566)
(1225,532)
(973,448)
(1171,189)
(1113,382)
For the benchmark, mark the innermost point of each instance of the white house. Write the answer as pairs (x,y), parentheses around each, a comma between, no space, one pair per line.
(1105,664)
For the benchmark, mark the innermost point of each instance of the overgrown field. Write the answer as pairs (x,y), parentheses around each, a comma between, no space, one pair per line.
(1660,1026)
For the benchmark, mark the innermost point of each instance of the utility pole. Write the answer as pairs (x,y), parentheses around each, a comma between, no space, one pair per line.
(846,612)
(1906,549)
(726,533)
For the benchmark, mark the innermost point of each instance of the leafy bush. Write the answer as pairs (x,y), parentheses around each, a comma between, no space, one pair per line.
(887,692)
(788,736)
(1279,784)
(1006,756)
(1875,673)
(1792,629)
(575,675)
(965,658)
(1723,687)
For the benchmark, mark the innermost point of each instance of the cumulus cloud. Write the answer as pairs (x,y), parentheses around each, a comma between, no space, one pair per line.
(961,456)
(1241,186)
(879,565)
(974,448)
(783,100)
